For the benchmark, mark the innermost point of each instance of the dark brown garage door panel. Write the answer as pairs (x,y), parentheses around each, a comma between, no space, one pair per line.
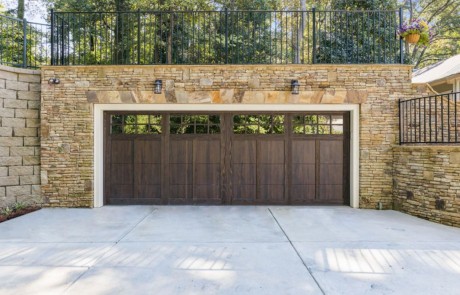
(303,189)
(331,171)
(199,158)
(147,168)
(122,169)
(243,157)
(207,170)
(195,168)
(271,170)
(180,169)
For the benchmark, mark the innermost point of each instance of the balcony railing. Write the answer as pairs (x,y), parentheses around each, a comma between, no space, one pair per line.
(226,37)
(431,119)
(24,44)
(203,37)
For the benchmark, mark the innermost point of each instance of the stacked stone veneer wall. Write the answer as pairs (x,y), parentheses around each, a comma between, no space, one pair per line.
(427,182)
(19,136)
(67,111)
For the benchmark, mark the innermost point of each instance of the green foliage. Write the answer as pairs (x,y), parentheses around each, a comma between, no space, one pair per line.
(194,124)
(136,124)
(358,37)
(106,40)
(364,4)
(248,4)
(444,18)
(12,43)
(258,124)
(10,209)
(416,26)
(317,124)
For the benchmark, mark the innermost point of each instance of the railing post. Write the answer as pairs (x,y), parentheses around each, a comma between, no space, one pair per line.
(401,43)
(62,42)
(52,37)
(138,36)
(300,44)
(400,125)
(24,43)
(226,35)
(314,34)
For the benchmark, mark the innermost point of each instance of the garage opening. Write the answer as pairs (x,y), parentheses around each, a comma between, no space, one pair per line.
(282,158)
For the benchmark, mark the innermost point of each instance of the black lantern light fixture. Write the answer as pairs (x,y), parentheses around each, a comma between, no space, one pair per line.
(54,81)
(295,86)
(158,86)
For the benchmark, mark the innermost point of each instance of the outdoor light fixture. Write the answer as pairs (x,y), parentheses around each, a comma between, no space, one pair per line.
(158,86)
(295,86)
(54,81)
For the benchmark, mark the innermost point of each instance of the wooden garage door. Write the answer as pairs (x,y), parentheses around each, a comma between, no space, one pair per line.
(226,158)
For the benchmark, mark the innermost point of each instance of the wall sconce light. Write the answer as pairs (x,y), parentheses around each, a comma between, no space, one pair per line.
(54,81)
(295,86)
(158,86)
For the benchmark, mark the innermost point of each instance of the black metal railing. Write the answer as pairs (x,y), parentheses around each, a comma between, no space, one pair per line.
(24,44)
(430,119)
(226,37)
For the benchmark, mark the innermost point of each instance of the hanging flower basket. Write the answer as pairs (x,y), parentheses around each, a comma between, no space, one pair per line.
(412,38)
(417,31)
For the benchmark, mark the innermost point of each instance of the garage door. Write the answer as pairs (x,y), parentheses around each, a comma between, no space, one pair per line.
(226,158)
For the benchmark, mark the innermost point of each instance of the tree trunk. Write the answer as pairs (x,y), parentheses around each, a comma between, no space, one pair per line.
(170,34)
(21,9)
(300,33)
(411,15)
(157,53)
(121,32)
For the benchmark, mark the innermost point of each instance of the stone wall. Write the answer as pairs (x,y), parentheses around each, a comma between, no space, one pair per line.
(19,131)
(427,182)
(67,111)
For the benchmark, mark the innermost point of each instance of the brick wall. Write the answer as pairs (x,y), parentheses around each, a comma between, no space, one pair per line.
(67,116)
(19,141)
(427,182)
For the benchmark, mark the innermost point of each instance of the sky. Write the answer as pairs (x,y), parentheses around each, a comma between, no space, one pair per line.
(35,12)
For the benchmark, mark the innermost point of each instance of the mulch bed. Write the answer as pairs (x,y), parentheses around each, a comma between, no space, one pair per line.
(18,213)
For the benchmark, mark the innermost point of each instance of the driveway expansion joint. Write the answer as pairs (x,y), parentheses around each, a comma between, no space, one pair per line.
(296,251)
(76,279)
(134,226)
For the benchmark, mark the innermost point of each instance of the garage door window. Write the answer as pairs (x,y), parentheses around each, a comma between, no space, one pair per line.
(135,124)
(317,124)
(194,124)
(258,124)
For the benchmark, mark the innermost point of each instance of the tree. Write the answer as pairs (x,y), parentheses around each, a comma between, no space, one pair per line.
(366,35)
(444,17)
(21,9)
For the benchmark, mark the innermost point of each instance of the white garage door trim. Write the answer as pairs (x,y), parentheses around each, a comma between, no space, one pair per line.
(99,110)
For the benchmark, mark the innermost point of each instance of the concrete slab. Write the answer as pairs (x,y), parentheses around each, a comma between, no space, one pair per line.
(209,268)
(384,268)
(52,254)
(208,224)
(107,224)
(340,223)
(227,250)
(37,279)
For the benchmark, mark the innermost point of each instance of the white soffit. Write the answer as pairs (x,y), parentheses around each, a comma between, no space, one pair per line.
(438,71)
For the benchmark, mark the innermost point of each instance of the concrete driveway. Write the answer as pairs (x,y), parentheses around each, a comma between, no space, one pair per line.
(227,250)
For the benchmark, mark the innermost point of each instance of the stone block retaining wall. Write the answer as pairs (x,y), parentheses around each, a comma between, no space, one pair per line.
(67,111)
(427,182)
(19,136)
